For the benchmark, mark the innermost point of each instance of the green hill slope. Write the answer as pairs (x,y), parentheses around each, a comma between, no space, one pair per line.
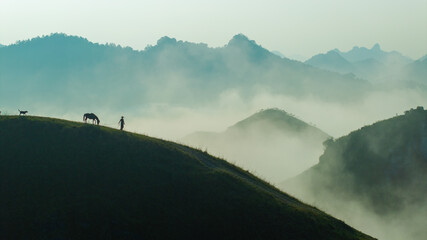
(62,180)
(272,143)
(382,170)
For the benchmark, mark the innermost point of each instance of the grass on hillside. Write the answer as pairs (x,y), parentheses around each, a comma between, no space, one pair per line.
(62,179)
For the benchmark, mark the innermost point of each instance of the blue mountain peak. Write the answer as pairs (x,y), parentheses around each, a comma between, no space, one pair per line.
(240,39)
(376,47)
(166,41)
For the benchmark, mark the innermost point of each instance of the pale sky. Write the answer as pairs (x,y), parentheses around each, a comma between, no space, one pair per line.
(293,27)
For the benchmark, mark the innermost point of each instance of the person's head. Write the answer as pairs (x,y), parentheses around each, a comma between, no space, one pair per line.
(122,117)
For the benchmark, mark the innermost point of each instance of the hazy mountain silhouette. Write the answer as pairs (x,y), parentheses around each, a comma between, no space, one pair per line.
(83,73)
(68,180)
(296,57)
(358,54)
(373,64)
(423,58)
(377,172)
(271,143)
(332,61)
(417,71)
(411,76)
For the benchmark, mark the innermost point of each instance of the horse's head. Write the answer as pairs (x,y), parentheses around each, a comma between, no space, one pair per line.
(96,119)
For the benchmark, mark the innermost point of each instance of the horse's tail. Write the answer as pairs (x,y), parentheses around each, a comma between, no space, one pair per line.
(84,117)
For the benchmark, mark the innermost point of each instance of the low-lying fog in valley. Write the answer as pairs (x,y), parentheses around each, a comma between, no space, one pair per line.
(171,122)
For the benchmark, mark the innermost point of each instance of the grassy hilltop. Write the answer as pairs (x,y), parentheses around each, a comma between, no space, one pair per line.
(68,180)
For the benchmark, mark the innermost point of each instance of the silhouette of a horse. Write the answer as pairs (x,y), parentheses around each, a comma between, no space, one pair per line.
(91,116)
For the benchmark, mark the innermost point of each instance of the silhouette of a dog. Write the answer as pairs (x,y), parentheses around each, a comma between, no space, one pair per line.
(22,112)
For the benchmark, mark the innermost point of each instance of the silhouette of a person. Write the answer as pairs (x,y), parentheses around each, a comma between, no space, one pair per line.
(122,123)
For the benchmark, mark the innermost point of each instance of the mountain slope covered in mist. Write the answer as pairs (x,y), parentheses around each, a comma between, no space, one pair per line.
(281,55)
(68,180)
(418,71)
(271,143)
(380,168)
(82,73)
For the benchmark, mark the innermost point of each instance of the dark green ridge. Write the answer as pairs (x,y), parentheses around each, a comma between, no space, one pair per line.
(383,165)
(382,169)
(69,180)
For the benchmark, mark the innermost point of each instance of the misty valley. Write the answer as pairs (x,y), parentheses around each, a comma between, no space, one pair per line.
(226,142)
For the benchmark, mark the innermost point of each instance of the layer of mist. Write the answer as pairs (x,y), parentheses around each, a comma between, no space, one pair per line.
(175,88)
(272,144)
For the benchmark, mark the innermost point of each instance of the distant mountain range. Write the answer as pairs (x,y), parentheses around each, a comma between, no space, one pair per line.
(71,72)
(2,46)
(332,61)
(68,180)
(377,172)
(271,143)
(373,64)
(358,54)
